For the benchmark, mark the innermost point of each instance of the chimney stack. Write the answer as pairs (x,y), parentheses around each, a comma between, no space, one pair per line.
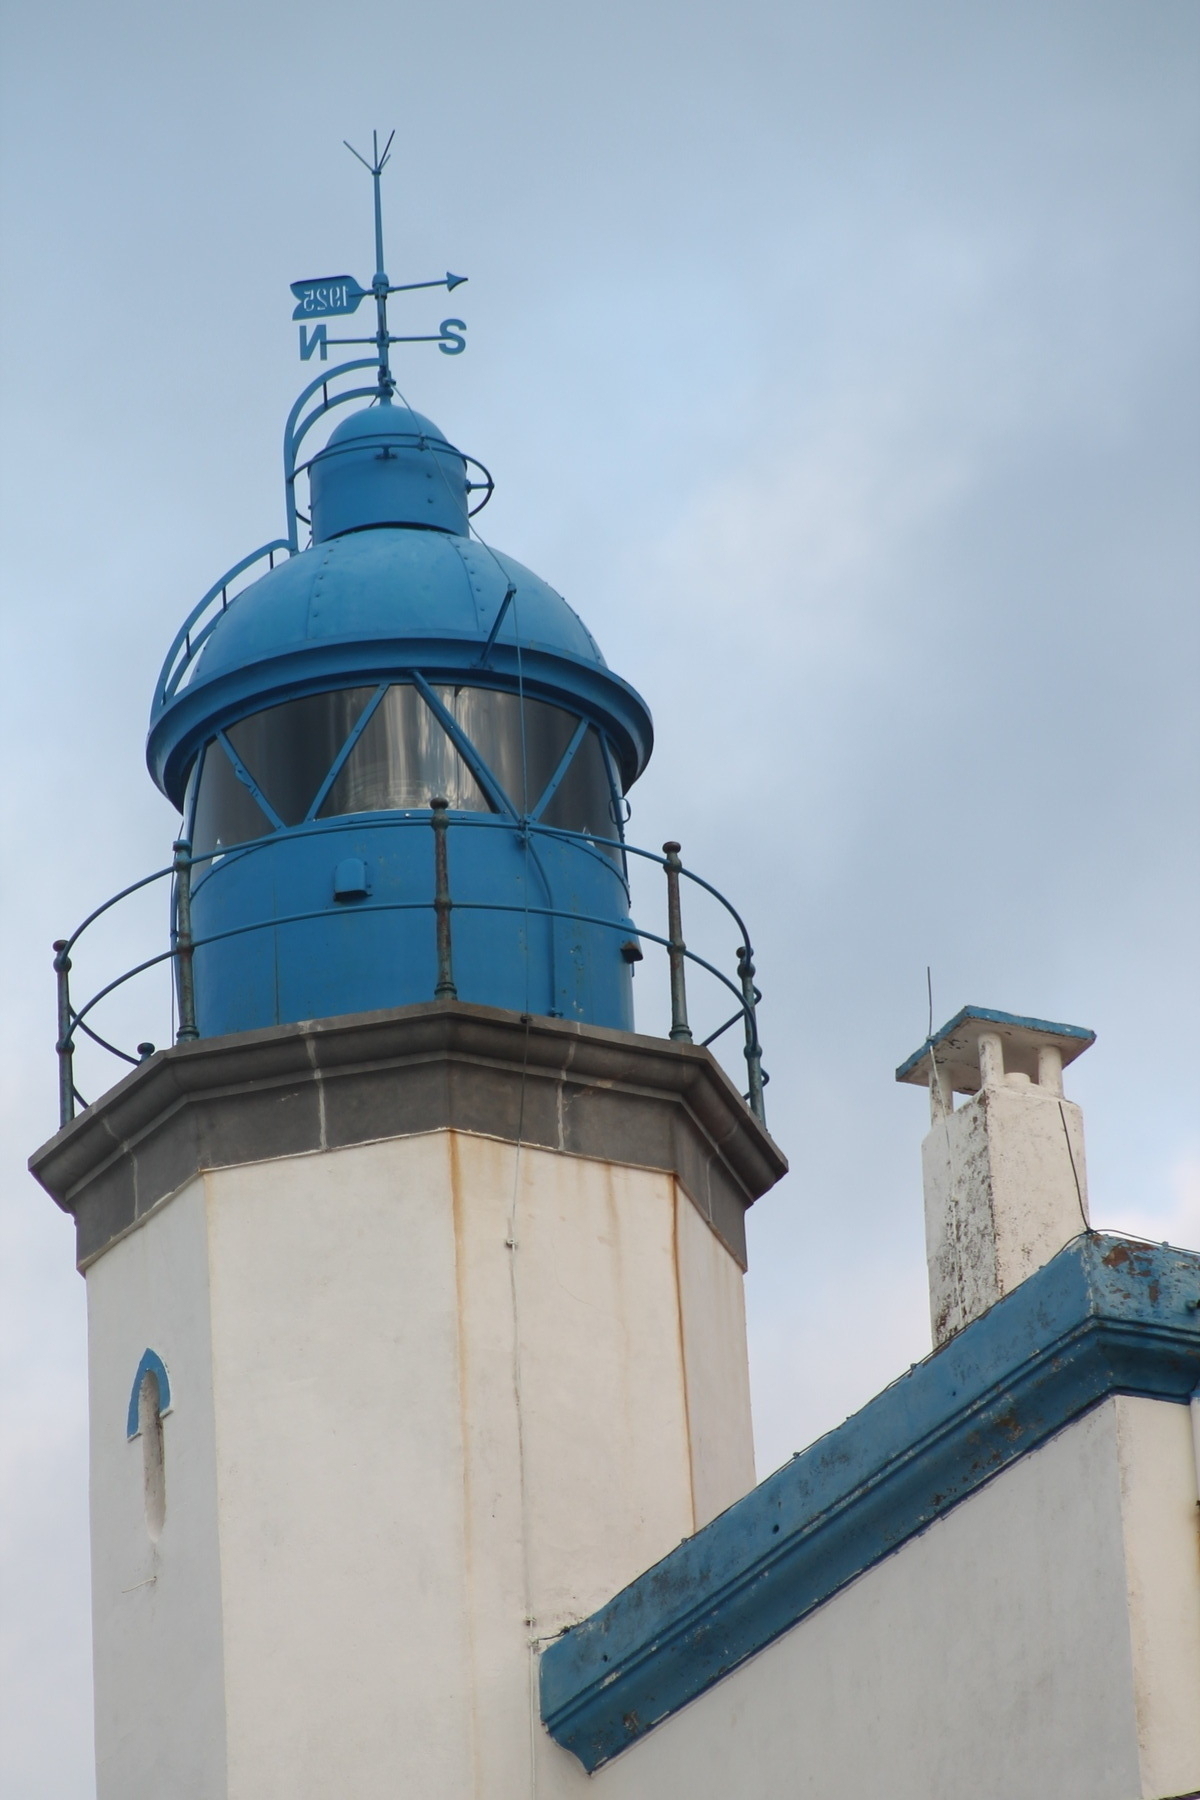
(1005,1178)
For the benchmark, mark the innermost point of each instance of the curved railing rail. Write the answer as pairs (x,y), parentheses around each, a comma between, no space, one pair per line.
(74,1020)
(191,636)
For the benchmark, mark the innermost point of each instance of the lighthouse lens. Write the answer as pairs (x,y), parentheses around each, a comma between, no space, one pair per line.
(403,759)
(226,811)
(399,753)
(289,749)
(522,741)
(583,799)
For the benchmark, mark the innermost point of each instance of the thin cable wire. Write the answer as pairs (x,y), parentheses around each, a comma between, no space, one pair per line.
(513,1244)
(1062,1113)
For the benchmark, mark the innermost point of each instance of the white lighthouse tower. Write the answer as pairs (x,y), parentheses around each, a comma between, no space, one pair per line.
(414,1272)
(420,1428)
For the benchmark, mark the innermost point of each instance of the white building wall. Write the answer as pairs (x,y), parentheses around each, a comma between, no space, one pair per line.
(712,1303)
(1041,1642)
(1157,1469)
(432,1400)
(340,1475)
(156,1605)
(1005,1182)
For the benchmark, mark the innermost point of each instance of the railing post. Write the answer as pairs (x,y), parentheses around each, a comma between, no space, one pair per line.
(753,1047)
(676,948)
(183,941)
(445,989)
(66,1044)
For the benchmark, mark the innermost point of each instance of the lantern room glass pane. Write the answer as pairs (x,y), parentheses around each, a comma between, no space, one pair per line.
(522,741)
(226,811)
(582,801)
(402,760)
(289,749)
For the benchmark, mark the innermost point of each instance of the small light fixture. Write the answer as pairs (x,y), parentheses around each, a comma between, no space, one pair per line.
(350,881)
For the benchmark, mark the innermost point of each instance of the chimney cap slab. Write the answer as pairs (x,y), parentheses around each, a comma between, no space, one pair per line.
(956,1047)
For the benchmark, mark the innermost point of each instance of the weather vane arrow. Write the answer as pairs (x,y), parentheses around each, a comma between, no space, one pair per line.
(336,296)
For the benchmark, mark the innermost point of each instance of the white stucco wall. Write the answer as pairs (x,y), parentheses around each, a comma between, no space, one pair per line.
(432,1400)
(1042,1642)
(712,1304)
(156,1606)
(1005,1180)
(1157,1471)
(442,1399)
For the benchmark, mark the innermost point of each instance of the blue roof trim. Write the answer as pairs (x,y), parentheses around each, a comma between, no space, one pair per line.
(989,1013)
(151,1363)
(1105,1316)
(197,711)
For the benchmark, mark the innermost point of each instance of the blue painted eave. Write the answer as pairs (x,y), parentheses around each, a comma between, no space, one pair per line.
(1106,1316)
(199,710)
(374,605)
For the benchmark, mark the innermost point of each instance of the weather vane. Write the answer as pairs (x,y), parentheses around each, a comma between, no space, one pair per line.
(334,296)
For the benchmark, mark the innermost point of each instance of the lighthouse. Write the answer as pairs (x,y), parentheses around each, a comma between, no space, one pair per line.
(414,1270)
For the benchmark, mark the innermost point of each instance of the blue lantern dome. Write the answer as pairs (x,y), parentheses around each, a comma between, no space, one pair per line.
(307,725)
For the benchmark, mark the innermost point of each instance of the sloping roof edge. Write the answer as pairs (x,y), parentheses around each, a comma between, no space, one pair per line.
(1107,1315)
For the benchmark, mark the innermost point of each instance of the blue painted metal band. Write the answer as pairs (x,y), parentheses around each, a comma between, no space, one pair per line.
(1106,1316)
(151,1364)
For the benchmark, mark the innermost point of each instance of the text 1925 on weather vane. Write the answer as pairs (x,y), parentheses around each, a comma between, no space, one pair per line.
(334,296)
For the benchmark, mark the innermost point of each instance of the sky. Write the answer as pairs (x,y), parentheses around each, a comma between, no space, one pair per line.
(840,365)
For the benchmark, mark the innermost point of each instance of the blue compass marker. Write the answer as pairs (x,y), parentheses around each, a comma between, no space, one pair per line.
(335,296)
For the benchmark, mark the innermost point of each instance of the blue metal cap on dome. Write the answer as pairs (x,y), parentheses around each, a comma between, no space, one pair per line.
(387,465)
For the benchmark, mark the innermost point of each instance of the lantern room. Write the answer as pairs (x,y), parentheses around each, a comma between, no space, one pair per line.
(306,727)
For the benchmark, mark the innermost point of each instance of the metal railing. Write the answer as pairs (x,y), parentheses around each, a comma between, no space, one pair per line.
(193,634)
(75,1020)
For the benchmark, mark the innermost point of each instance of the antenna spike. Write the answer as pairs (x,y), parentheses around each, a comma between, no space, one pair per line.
(339,294)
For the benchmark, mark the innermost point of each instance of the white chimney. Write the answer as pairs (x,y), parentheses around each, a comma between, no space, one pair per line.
(1005,1179)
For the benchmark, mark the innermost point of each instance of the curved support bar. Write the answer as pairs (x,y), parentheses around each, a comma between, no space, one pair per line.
(487,482)
(113,1049)
(293,433)
(174,665)
(69,943)
(119,981)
